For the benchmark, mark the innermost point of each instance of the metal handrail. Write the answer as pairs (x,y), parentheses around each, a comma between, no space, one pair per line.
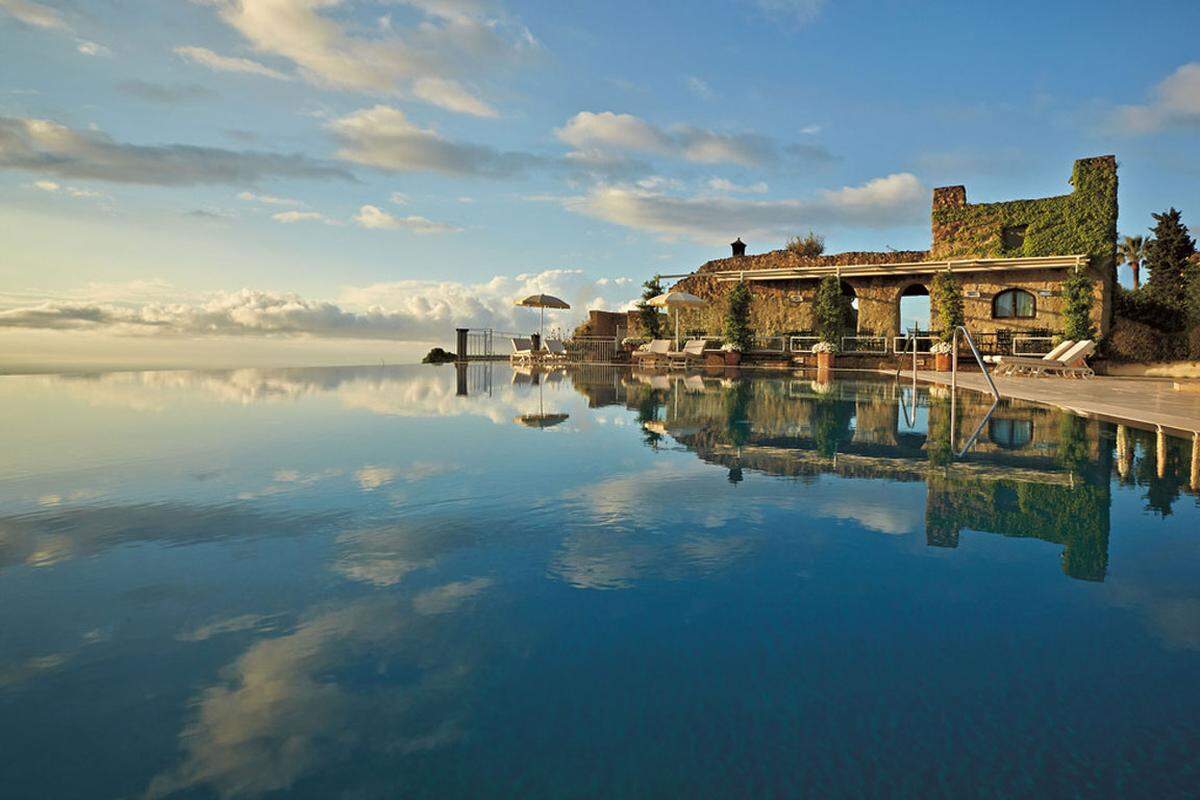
(954,387)
(978,360)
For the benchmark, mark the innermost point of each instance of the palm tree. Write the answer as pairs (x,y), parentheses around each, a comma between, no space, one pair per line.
(1132,251)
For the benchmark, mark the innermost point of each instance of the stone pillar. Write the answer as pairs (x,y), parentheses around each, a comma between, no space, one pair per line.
(1160,445)
(1195,477)
(1124,452)
(460,351)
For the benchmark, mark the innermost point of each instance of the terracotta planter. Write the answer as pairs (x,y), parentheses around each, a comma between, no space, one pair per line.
(732,358)
(942,362)
(825,361)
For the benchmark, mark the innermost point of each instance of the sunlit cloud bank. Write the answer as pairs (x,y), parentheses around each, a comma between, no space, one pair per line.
(409,310)
(713,218)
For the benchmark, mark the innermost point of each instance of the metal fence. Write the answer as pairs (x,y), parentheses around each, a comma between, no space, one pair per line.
(770,344)
(802,344)
(593,348)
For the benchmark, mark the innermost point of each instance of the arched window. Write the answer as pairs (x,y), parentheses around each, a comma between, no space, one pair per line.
(1011,434)
(1014,304)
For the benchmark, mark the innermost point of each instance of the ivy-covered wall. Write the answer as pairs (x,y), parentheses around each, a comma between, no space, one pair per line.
(1082,222)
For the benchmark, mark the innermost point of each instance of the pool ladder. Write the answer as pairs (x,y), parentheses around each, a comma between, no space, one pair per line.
(954,383)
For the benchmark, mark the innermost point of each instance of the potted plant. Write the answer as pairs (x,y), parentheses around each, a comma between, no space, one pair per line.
(825,352)
(738,336)
(941,356)
(946,301)
(830,311)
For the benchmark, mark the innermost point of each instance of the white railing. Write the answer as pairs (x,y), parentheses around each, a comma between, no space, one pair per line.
(802,344)
(905,344)
(865,345)
(1045,345)
(769,344)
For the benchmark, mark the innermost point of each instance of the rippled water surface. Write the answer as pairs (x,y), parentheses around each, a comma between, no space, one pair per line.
(423,582)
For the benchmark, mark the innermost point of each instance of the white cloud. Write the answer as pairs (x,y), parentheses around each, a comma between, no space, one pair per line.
(399,198)
(383,137)
(450,95)
(376,218)
(70,191)
(811,130)
(451,40)
(594,135)
(288,217)
(220,63)
(729,187)
(44,146)
(409,310)
(897,199)
(700,88)
(35,14)
(93,49)
(1175,102)
(267,199)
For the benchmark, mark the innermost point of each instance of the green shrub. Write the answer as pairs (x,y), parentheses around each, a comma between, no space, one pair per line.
(1078,293)
(737,318)
(809,246)
(831,309)
(945,297)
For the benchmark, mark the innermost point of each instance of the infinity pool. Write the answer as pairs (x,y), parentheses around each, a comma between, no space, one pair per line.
(429,582)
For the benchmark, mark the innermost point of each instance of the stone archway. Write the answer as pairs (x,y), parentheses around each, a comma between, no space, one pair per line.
(851,295)
(913,308)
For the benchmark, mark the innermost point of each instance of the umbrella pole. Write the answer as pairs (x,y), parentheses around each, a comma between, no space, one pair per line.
(677,313)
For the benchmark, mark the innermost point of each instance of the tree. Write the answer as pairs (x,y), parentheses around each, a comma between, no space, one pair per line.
(648,315)
(1079,296)
(809,246)
(1132,251)
(1167,259)
(945,296)
(831,310)
(737,318)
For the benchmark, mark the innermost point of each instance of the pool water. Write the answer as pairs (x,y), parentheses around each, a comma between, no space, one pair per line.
(439,582)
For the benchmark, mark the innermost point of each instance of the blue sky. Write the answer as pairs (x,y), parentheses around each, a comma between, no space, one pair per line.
(361,172)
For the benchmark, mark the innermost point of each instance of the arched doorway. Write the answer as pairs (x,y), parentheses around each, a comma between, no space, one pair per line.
(852,306)
(912,308)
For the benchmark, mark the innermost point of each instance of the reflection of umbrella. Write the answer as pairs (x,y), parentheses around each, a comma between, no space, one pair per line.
(678,301)
(543,301)
(540,419)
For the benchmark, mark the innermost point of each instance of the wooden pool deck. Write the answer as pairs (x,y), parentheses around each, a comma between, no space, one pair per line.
(1139,402)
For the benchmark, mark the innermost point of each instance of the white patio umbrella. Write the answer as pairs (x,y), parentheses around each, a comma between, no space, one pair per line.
(677,301)
(543,301)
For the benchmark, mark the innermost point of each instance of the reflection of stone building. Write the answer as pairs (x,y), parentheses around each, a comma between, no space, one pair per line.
(1010,259)
(1033,472)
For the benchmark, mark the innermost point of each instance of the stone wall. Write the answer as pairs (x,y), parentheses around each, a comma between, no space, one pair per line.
(780,307)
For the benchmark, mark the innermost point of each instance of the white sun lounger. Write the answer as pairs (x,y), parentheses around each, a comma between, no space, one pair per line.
(656,351)
(1070,363)
(554,349)
(522,350)
(692,351)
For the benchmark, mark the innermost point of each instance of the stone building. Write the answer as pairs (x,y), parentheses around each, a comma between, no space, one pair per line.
(1010,258)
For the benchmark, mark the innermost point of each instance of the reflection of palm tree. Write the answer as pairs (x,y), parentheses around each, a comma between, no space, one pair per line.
(1132,251)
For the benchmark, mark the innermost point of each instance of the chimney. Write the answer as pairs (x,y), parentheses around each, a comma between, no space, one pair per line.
(949,197)
(739,248)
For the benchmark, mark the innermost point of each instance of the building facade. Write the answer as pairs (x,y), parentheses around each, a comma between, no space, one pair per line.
(1010,258)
